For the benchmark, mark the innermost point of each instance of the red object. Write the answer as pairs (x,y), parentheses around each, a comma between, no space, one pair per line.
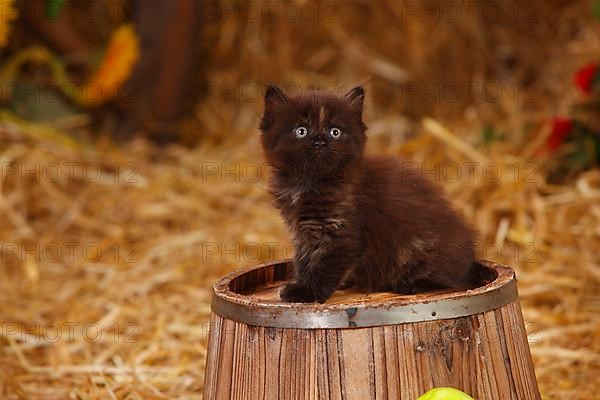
(585,76)
(561,127)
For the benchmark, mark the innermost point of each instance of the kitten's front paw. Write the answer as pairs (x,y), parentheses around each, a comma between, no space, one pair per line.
(297,293)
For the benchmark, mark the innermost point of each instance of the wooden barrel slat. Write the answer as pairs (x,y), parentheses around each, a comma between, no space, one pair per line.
(485,354)
(392,364)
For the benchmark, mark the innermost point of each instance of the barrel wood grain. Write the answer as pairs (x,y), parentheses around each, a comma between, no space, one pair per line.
(485,355)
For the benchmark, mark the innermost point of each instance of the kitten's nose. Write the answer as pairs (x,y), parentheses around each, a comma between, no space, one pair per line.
(319,143)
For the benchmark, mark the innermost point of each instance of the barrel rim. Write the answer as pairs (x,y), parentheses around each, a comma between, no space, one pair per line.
(405,309)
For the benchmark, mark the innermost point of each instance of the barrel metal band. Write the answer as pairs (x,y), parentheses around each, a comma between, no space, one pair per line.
(320,316)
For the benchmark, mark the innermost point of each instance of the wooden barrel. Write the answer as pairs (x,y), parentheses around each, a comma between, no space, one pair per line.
(366,346)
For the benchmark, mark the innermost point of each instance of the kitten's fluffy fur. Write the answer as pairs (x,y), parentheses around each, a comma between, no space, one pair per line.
(368,222)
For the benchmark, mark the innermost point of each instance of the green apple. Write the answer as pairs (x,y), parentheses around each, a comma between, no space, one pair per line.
(445,393)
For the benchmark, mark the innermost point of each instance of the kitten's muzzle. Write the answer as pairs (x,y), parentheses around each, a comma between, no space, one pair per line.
(319,143)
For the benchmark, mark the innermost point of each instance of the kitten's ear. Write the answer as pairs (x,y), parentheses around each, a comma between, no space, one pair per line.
(356,97)
(274,96)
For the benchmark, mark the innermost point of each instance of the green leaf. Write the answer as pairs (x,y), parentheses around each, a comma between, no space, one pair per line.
(596,9)
(39,104)
(54,9)
(489,135)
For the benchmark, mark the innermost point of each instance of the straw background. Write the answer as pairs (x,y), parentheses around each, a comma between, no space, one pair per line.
(123,315)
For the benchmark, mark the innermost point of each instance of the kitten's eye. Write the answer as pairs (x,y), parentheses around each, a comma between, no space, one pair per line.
(335,133)
(300,132)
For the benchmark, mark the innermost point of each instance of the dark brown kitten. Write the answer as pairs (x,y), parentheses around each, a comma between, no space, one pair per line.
(368,222)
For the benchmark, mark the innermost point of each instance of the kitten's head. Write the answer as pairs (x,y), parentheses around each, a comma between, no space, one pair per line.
(313,134)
